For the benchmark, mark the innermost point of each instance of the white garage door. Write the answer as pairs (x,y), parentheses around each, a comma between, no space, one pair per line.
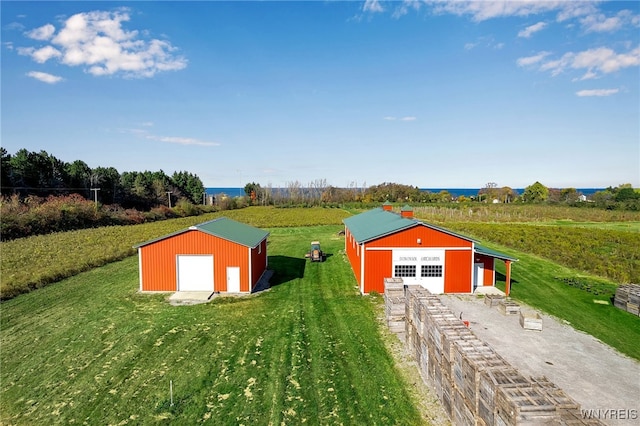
(195,273)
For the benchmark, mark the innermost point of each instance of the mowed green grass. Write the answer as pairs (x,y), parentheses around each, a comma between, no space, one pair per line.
(91,350)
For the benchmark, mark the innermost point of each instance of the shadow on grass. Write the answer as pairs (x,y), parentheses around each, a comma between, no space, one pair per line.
(286,269)
(502,277)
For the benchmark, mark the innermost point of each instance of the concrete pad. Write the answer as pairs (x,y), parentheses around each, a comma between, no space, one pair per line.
(190,297)
(488,290)
(592,373)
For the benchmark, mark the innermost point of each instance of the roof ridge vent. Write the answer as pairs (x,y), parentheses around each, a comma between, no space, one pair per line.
(406,211)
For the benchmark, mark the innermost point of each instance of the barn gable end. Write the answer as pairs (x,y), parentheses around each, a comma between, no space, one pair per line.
(380,244)
(232,254)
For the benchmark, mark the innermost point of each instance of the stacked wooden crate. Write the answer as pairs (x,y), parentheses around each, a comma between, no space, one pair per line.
(489,381)
(628,298)
(476,386)
(414,321)
(394,305)
(530,320)
(492,300)
(568,408)
(508,307)
(525,405)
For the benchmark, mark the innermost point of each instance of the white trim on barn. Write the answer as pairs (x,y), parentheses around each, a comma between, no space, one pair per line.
(362,270)
(140,266)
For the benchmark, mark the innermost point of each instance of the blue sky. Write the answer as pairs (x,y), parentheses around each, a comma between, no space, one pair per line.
(425,93)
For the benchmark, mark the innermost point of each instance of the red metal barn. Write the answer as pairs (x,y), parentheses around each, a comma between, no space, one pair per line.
(221,255)
(382,244)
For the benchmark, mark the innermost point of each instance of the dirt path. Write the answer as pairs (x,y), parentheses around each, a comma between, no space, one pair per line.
(601,379)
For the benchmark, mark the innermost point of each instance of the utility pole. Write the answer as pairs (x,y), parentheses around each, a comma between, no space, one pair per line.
(95,195)
(169,197)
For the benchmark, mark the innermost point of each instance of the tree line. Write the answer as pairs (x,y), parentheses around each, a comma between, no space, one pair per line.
(319,192)
(41,174)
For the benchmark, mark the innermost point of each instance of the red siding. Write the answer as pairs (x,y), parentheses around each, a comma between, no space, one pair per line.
(378,263)
(159,260)
(457,271)
(378,266)
(429,238)
(258,263)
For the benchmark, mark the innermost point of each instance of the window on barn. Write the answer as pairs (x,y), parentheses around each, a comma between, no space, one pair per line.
(431,271)
(405,270)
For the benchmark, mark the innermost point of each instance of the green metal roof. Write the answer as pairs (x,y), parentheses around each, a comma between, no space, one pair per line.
(376,223)
(234,231)
(224,228)
(488,252)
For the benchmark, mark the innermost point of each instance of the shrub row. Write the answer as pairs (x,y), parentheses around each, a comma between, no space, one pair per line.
(37,216)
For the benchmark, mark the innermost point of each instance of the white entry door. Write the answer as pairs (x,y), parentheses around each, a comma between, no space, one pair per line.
(478,276)
(233,279)
(195,272)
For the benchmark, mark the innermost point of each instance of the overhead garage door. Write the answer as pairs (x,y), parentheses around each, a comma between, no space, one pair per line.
(195,273)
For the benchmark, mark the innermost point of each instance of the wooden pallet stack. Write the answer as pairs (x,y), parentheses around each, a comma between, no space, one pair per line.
(628,298)
(414,321)
(489,381)
(568,408)
(492,300)
(394,305)
(508,307)
(476,386)
(526,405)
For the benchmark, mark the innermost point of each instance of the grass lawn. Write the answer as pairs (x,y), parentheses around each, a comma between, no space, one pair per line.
(91,349)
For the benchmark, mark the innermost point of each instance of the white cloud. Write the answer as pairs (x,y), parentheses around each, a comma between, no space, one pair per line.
(42,33)
(143,133)
(530,30)
(532,60)
(392,118)
(484,10)
(97,41)
(182,140)
(44,77)
(372,6)
(43,55)
(14,26)
(595,62)
(598,22)
(404,8)
(597,92)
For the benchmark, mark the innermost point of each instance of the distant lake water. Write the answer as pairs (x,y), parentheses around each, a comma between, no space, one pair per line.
(455,192)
